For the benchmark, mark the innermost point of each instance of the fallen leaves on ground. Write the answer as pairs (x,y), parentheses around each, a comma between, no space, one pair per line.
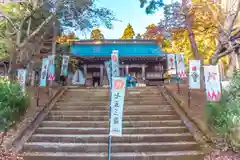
(4,155)
(218,155)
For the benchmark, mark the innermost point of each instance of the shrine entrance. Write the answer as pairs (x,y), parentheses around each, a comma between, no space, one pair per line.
(141,58)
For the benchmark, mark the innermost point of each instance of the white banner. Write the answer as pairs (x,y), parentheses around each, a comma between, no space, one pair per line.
(64,68)
(115,64)
(194,74)
(212,82)
(181,66)
(11,1)
(171,63)
(117,104)
(44,72)
(51,68)
(22,78)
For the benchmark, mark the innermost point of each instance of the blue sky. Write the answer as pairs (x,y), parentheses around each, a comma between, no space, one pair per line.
(128,11)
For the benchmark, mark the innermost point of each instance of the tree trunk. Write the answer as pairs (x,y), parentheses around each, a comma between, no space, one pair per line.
(12,64)
(188,25)
(192,40)
(233,64)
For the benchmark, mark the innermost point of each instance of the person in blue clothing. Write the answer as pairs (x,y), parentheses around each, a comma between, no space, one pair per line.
(134,80)
(131,81)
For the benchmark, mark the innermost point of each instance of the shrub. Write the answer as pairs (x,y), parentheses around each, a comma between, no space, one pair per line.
(13,103)
(224,116)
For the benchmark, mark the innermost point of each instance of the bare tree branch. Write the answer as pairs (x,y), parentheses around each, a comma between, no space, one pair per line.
(36,31)
(229,29)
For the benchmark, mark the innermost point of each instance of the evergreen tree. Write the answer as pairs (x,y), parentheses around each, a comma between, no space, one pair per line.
(138,36)
(128,32)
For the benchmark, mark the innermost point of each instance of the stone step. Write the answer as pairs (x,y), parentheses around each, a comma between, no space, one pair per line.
(77,129)
(103,124)
(107,94)
(99,113)
(115,147)
(106,107)
(104,117)
(102,103)
(85,103)
(130,138)
(106,99)
(86,95)
(177,155)
(143,95)
(77,99)
(148,88)
(87,89)
(135,92)
(133,130)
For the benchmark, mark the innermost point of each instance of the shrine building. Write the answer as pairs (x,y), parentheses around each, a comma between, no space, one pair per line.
(144,58)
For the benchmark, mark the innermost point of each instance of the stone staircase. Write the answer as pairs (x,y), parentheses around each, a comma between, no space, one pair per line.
(77,129)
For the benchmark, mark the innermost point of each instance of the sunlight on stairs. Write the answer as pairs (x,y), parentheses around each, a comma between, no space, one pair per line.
(77,129)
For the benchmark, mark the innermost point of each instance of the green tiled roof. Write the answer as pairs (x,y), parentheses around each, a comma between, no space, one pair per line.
(124,49)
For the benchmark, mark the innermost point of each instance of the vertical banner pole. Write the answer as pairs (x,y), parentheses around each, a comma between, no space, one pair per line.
(37,102)
(178,85)
(53,60)
(117,107)
(109,123)
(109,120)
(114,72)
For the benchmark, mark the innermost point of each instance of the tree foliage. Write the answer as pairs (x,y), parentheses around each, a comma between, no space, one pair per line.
(67,38)
(138,36)
(152,5)
(229,31)
(174,15)
(153,32)
(128,32)
(33,21)
(182,26)
(7,29)
(96,34)
(205,30)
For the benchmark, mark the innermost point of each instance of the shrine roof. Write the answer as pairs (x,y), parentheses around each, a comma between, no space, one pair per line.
(126,48)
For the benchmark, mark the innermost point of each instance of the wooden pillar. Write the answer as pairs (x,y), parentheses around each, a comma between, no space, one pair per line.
(101,74)
(161,70)
(33,78)
(143,72)
(126,69)
(85,70)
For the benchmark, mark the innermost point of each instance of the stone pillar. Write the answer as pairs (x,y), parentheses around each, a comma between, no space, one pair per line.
(126,69)
(143,72)
(101,74)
